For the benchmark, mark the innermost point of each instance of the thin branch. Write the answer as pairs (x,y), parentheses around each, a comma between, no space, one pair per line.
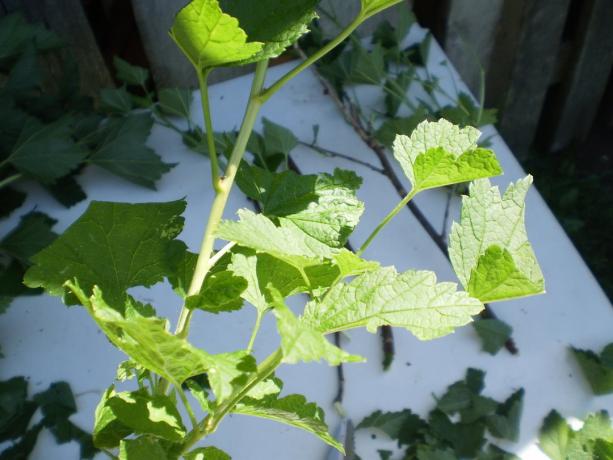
(331,153)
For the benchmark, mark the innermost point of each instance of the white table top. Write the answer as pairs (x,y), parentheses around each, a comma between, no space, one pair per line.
(46,341)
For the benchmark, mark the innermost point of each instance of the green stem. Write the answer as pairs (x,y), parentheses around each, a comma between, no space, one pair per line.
(208,125)
(386,220)
(9,180)
(188,407)
(210,423)
(222,190)
(346,32)
(254,333)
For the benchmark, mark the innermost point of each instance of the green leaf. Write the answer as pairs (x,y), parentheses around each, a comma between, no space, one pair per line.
(555,436)
(275,24)
(221,292)
(413,300)
(210,38)
(596,370)
(396,89)
(466,438)
(145,414)
(386,134)
(46,152)
(108,429)
(116,101)
(272,148)
(207,453)
(489,248)
(402,426)
(372,7)
(505,422)
(301,342)
(15,409)
(324,206)
(493,333)
(292,410)
(130,74)
(120,148)
(143,448)
(31,235)
(175,102)
(286,242)
(439,153)
(467,113)
(435,453)
(126,246)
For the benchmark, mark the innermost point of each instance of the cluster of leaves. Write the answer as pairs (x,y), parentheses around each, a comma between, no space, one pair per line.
(56,404)
(594,441)
(597,369)
(456,427)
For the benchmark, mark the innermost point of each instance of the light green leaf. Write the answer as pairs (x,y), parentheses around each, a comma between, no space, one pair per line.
(143,448)
(209,37)
(120,148)
(324,206)
(276,24)
(221,292)
(126,247)
(287,242)
(493,333)
(130,74)
(440,153)
(292,410)
(596,370)
(46,152)
(199,393)
(489,248)
(301,342)
(413,300)
(372,7)
(175,102)
(108,429)
(207,453)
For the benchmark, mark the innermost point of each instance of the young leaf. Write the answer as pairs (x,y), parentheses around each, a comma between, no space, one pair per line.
(274,146)
(207,453)
(143,448)
(175,102)
(489,248)
(46,152)
(493,333)
(439,153)
(413,300)
(301,342)
(324,206)
(275,24)
(126,246)
(598,370)
(130,74)
(286,242)
(209,37)
(121,149)
(292,410)
(372,7)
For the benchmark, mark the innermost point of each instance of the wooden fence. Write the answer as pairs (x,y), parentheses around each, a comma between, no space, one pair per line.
(547,63)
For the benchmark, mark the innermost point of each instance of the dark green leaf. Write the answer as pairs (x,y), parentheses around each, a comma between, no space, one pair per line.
(220,292)
(143,448)
(121,149)
(395,94)
(115,101)
(402,426)
(31,235)
(127,246)
(596,371)
(175,102)
(505,422)
(67,190)
(130,74)
(555,436)
(493,333)
(390,128)
(466,439)
(11,200)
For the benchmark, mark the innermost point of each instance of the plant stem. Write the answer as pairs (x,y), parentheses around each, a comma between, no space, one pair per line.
(222,190)
(346,32)
(208,125)
(254,333)
(9,180)
(188,408)
(211,421)
(386,220)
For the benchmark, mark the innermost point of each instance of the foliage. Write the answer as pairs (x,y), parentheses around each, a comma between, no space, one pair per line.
(56,404)
(294,246)
(456,427)
(597,369)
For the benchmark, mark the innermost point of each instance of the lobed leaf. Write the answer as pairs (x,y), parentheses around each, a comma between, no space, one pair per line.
(175,102)
(597,369)
(493,334)
(489,248)
(130,74)
(413,300)
(440,153)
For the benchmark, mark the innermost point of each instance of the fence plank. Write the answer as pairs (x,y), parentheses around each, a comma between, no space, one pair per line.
(585,85)
(542,23)
(67,18)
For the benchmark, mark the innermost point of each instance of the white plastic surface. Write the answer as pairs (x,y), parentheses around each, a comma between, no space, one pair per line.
(46,341)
